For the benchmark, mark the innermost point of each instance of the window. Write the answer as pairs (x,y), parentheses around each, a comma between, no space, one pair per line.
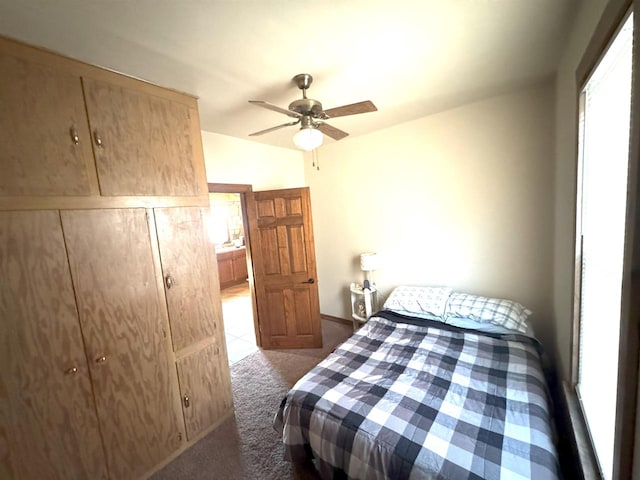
(605,113)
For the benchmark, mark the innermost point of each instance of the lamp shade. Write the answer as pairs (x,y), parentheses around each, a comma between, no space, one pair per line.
(308,138)
(368,261)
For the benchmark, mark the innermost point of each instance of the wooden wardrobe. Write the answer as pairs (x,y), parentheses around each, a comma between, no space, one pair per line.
(112,347)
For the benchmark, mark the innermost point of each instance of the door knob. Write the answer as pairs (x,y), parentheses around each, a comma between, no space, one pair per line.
(311,280)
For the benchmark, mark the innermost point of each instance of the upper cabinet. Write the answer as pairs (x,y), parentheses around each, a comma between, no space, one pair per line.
(142,142)
(46,147)
(78,130)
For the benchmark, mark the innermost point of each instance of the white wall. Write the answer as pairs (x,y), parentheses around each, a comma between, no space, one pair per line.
(565,179)
(231,160)
(461,198)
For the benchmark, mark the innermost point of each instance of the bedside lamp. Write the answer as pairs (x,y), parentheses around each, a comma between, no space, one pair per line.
(369,263)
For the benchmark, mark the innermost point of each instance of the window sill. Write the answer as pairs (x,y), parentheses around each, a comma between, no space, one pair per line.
(585,461)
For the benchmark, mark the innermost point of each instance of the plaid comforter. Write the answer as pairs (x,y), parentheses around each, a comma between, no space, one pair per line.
(423,401)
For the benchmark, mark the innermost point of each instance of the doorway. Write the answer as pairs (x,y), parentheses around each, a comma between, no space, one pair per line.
(229,233)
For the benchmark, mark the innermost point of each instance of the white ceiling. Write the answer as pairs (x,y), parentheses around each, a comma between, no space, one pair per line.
(410,57)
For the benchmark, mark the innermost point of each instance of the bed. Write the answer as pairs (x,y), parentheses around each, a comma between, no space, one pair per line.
(416,393)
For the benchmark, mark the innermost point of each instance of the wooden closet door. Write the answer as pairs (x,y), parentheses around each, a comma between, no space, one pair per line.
(205,383)
(120,311)
(145,141)
(46,146)
(190,274)
(48,423)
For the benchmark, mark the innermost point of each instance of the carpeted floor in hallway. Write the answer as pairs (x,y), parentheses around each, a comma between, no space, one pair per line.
(246,446)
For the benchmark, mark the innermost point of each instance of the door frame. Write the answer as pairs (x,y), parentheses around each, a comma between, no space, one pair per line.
(243,190)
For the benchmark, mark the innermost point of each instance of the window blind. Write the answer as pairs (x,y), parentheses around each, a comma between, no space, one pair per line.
(604,151)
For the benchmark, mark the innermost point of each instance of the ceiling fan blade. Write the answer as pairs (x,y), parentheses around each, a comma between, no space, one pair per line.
(274,128)
(268,106)
(330,131)
(360,107)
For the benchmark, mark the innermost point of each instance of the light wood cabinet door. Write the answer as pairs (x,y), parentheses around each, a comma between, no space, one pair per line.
(143,143)
(120,306)
(46,146)
(205,385)
(48,423)
(190,275)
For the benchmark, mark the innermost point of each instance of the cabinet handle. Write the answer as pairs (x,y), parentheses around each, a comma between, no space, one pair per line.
(101,359)
(71,371)
(186,401)
(97,138)
(168,281)
(74,135)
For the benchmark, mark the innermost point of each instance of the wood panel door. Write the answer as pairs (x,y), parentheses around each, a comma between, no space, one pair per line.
(190,275)
(46,146)
(143,143)
(124,327)
(284,266)
(205,386)
(48,422)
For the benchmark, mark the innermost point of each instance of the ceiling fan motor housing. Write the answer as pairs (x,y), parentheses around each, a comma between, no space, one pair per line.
(306,106)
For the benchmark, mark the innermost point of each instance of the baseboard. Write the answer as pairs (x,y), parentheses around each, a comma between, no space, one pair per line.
(331,318)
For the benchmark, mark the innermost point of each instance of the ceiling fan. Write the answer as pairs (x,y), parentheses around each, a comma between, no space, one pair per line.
(310,115)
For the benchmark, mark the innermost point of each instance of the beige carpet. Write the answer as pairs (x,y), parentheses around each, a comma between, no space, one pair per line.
(246,446)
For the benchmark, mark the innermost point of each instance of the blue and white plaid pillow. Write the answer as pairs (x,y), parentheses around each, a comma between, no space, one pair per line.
(421,302)
(497,311)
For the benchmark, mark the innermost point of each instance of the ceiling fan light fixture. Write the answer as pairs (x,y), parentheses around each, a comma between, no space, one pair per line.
(308,138)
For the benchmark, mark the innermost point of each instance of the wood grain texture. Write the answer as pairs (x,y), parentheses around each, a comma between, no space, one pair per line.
(40,108)
(53,59)
(77,203)
(269,251)
(119,305)
(205,380)
(232,267)
(240,271)
(280,224)
(166,328)
(199,170)
(147,142)
(225,269)
(48,423)
(291,323)
(193,300)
